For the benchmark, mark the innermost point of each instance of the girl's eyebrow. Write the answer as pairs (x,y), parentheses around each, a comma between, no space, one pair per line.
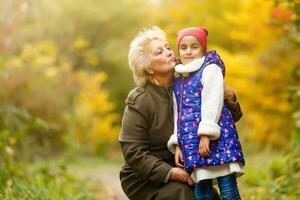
(195,43)
(192,43)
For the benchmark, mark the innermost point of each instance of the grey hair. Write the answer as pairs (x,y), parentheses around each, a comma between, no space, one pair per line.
(137,58)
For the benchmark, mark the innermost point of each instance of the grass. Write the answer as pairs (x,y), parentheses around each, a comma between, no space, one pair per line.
(41,181)
(259,171)
(96,171)
(79,178)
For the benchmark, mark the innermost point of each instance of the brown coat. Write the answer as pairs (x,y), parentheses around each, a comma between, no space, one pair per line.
(146,128)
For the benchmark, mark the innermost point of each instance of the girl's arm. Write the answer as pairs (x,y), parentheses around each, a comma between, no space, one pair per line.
(173,141)
(212,101)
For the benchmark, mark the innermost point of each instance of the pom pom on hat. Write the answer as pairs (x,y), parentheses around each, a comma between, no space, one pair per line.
(200,33)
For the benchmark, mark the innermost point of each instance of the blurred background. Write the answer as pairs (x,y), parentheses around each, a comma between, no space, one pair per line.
(64,77)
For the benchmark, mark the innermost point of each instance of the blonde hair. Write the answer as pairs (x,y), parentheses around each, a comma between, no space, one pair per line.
(137,57)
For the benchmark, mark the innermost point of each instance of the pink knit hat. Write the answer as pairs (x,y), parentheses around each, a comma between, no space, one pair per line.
(198,32)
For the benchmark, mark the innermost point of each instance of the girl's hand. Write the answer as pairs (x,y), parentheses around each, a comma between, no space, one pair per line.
(178,174)
(204,146)
(178,157)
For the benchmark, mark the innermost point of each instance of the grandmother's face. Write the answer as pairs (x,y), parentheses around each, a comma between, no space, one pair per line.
(162,57)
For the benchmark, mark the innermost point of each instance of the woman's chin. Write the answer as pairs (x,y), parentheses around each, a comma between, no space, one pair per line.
(173,64)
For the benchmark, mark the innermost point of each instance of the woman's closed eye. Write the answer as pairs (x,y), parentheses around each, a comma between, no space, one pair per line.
(158,51)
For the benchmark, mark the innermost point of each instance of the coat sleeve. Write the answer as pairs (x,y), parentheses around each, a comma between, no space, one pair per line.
(134,141)
(235,109)
(173,141)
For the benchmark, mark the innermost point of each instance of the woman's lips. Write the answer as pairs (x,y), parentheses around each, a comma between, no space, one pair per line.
(172,59)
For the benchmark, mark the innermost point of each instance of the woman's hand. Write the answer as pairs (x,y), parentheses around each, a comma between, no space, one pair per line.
(178,174)
(204,146)
(178,157)
(229,93)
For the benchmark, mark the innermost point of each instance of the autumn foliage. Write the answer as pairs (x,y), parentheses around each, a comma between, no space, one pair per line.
(64,74)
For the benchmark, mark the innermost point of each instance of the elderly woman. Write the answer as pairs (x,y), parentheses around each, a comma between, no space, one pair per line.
(149,171)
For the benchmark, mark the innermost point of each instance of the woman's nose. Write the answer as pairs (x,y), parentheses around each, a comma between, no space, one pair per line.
(169,52)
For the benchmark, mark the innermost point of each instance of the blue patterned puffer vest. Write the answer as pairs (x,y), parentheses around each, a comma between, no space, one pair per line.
(227,148)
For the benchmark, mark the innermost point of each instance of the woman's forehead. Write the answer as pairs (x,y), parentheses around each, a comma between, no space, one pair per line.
(157,43)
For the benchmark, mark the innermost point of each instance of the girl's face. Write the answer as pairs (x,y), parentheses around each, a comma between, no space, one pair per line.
(189,49)
(162,58)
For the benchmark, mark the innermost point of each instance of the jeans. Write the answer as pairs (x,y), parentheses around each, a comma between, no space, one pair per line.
(227,185)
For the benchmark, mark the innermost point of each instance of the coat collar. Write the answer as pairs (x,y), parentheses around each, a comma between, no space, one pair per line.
(159,91)
(190,67)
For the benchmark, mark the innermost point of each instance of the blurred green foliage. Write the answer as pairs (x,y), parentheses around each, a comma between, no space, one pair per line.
(91,35)
(45,181)
(64,77)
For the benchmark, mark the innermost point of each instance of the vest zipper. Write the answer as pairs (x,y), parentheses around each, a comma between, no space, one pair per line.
(180,116)
(180,100)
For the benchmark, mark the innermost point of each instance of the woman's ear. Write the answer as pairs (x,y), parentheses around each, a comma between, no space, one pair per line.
(149,71)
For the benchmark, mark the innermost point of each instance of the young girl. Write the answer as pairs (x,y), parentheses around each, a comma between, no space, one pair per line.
(204,127)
